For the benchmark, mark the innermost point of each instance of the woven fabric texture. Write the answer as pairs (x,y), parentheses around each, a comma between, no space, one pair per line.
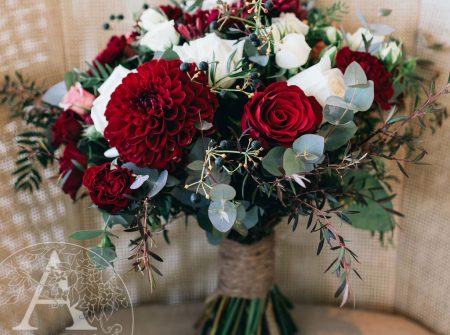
(46,37)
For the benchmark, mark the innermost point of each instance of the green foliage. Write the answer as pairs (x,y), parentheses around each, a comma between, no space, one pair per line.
(94,78)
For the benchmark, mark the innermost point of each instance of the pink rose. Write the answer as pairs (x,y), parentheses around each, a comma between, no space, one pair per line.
(77,99)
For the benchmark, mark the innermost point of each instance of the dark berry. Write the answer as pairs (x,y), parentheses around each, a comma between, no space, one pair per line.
(112,17)
(268,5)
(145,6)
(223,144)
(185,67)
(213,25)
(218,162)
(106,26)
(203,66)
(256,43)
(195,198)
(120,17)
(254,75)
(253,37)
(256,145)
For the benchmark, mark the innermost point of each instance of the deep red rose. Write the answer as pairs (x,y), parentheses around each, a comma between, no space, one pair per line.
(196,25)
(375,71)
(67,128)
(152,113)
(73,181)
(108,187)
(279,114)
(113,51)
(172,12)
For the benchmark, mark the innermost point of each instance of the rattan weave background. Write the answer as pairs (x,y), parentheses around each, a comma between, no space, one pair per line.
(43,38)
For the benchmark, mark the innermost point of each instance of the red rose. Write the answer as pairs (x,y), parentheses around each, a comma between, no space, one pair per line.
(196,25)
(72,181)
(172,12)
(108,187)
(67,128)
(279,114)
(113,51)
(152,114)
(374,70)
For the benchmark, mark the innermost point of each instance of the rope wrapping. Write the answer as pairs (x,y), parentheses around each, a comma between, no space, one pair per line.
(246,270)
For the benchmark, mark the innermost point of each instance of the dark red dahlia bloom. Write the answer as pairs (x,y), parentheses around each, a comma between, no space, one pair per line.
(279,114)
(72,181)
(172,12)
(152,114)
(375,71)
(67,128)
(108,186)
(113,51)
(196,25)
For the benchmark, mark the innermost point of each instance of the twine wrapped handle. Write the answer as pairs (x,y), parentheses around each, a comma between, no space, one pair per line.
(246,270)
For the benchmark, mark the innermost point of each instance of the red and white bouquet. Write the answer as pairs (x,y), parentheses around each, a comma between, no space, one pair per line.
(239,113)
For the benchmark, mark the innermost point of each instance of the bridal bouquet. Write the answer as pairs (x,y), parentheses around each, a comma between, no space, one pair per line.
(239,113)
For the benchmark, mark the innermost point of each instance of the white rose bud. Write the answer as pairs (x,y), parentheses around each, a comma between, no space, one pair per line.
(355,41)
(320,81)
(212,48)
(333,34)
(390,53)
(285,24)
(100,103)
(150,18)
(292,51)
(161,36)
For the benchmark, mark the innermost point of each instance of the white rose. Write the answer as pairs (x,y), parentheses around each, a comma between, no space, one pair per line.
(391,52)
(292,51)
(212,48)
(100,103)
(209,4)
(161,36)
(320,81)
(285,24)
(150,18)
(332,34)
(355,41)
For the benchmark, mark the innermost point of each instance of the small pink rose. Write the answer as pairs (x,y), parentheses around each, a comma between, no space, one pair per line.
(77,99)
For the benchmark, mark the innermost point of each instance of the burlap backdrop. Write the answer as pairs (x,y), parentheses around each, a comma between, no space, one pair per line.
(44,38)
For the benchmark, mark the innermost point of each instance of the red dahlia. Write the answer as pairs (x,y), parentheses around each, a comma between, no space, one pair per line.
(172,12)
(375,71)
(108,187)
(279,114)
(152,114)
(197,24)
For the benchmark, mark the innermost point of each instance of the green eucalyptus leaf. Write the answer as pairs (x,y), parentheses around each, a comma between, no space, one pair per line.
(337,115)
(273,161)
(102,257)
(222,192)
(354,75)
(260,60)
(159,184)
(195,165)
(339,136)
(198,150)
(86,234)
(169,54)
(241,213)
(310,147)
(222,215)
(340,102)
(252,217)
(361,96)
(293,164)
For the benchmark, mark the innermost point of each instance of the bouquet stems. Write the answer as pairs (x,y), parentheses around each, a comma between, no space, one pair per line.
(226,315)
